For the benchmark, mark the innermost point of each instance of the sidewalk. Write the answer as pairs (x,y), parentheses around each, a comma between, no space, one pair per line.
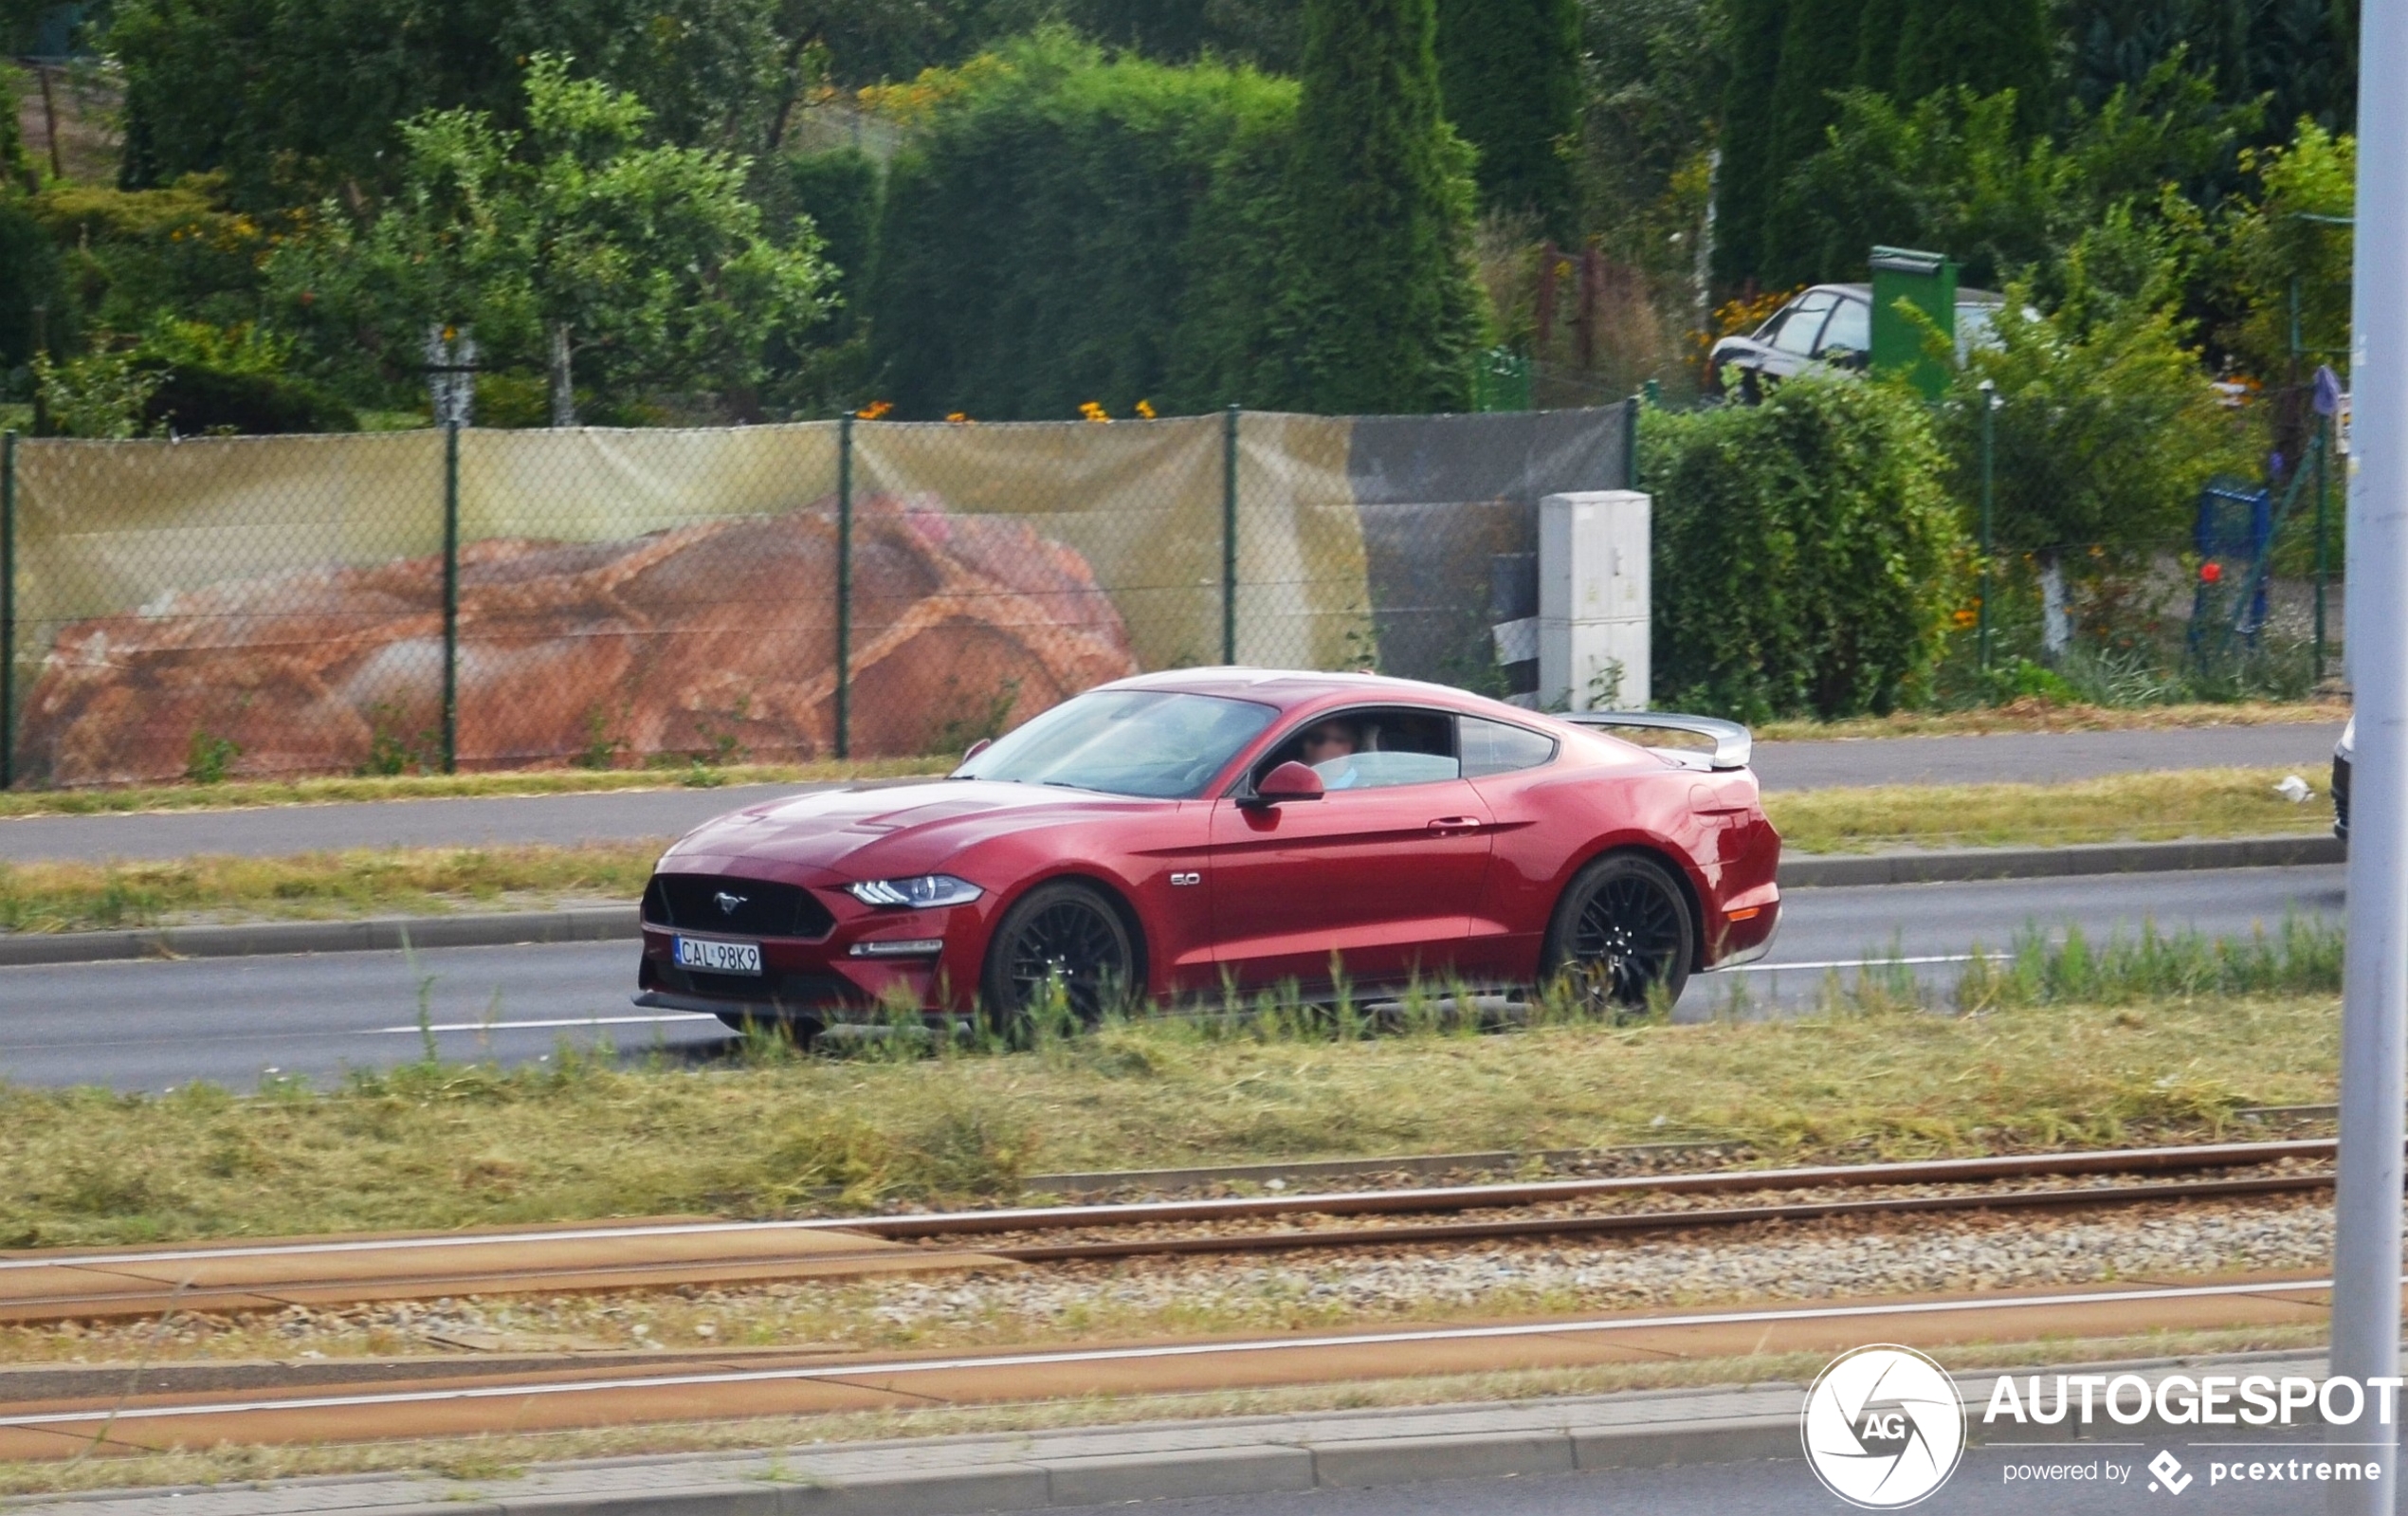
(1036,1470)
(563,820)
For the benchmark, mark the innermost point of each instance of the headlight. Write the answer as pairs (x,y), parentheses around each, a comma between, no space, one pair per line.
(920,891)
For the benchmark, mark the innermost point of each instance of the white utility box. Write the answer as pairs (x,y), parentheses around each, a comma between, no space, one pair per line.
(1594,604)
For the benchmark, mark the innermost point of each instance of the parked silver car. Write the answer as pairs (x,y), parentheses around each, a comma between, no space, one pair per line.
(1831,326)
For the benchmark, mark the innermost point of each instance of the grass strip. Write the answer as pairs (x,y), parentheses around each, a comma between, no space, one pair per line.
(508,1455)
(2146,807)
(72,897)
(2203,1029)
(2034,714)
(243,794)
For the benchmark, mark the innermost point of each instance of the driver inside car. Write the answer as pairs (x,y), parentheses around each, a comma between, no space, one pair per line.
(1329,751)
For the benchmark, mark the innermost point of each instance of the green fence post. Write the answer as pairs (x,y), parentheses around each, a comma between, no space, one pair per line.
(1989,496)
(1631,443)
(2316,450)
(8,609)
(844,587)
(450,596)
(1228,535)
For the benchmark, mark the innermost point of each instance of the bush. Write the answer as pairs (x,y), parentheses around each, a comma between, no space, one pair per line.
(1035,246)
(1806,558)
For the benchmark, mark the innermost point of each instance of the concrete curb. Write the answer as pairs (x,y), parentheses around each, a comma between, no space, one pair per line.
(383,934)
(1811,872)
(611,923)
(1075,1466)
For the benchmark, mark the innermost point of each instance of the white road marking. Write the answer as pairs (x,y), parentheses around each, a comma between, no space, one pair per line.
(1867,963)
(527,1026)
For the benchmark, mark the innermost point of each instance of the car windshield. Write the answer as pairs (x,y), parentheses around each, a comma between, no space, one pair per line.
(1125,742)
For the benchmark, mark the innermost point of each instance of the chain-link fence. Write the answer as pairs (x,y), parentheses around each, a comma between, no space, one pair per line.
(485,599)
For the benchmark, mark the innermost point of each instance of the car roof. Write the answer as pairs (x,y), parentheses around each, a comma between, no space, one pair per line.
(1294,688)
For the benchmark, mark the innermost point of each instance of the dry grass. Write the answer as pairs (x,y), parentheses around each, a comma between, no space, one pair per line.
(66,897)
(510,1455)
(2033,714)
(240,794)
(2118,807)
(440,1146)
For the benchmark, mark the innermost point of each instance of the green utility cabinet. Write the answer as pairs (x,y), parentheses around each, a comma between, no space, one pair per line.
(1927,281)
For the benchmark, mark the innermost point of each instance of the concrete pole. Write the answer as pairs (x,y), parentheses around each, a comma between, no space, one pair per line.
(2374,969)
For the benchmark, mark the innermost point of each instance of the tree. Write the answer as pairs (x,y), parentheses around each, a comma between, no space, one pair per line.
(1955,171)
(1819,54)
(2293,230)
(1510,74)
(1654,71)
(648,258)
(1751,172)
(2299,56)
(298,101)
(2108,426)
(1039,243)
(1985,46)
(1378,289)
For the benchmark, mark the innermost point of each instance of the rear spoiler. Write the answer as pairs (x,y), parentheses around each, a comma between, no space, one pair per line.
(1733,746)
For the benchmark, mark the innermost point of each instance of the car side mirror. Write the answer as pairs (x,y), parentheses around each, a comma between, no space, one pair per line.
(977,747)
(1289,781)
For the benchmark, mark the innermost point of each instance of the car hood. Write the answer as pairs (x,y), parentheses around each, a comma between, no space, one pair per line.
(890,832)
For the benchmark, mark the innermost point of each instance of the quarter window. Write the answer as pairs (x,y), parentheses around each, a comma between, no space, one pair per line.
(1500,747)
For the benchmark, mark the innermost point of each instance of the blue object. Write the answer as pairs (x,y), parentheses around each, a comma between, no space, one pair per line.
(2235,529)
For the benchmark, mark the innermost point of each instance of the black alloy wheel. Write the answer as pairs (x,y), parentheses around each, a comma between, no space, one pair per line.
(1059,940)
(1621,931)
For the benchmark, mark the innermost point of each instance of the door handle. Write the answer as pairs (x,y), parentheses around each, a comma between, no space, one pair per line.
(1446,824)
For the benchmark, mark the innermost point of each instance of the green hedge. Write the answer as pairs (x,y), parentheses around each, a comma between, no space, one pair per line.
(1807,559)
(1036,244)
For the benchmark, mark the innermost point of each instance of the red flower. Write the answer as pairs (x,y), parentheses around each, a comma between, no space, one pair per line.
(2211,572)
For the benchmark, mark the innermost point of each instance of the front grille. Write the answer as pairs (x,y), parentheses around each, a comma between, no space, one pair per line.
(762,908)
(787,992)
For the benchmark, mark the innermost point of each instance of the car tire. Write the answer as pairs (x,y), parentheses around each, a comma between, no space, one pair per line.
(1068,930)
(1622,930)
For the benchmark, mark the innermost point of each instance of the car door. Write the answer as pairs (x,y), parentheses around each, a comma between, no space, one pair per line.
(1375,880)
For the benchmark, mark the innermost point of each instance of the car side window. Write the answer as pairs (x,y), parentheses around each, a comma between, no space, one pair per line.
(1372,749)
(1851,329)
(1805,323)
(1500,747)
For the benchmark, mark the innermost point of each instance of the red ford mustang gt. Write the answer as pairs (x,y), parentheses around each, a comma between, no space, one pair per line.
(1181,835)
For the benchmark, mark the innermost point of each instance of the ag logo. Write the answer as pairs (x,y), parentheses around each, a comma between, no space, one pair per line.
(1883,1427)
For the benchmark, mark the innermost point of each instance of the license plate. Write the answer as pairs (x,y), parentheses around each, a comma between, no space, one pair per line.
(717,957)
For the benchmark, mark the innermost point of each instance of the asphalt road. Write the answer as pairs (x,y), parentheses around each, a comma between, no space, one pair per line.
(1786,1487)
(156,1024)
(568,819)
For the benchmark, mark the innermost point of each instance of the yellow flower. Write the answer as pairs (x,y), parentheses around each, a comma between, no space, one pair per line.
(1146,408)
(1093,410)
(961,417)
(875,410)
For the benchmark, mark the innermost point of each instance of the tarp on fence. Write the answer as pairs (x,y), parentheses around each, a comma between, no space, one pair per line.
(274,606)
